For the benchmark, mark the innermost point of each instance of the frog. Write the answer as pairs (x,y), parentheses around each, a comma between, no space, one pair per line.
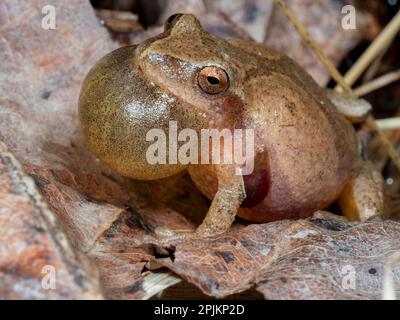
(306,152)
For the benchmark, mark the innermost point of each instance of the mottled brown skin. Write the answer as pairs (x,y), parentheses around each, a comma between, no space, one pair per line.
(306,152)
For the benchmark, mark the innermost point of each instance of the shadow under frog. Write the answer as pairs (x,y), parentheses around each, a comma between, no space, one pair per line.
(306,151)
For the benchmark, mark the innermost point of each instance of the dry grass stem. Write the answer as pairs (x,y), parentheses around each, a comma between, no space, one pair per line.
(311,43)
(377,46)
(155,283)
(377,83)
(389,123)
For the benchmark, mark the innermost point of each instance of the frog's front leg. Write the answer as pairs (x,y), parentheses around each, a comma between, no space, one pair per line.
(226,202)
(363,197)
(220,215)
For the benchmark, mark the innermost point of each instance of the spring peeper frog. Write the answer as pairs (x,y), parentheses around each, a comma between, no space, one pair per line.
(306,153)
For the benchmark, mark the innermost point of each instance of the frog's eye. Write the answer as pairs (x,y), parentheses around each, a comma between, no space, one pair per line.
(213,80)
(171,20)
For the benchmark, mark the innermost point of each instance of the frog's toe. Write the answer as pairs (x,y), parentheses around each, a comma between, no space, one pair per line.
(363,197)
(355,110)
(165,237)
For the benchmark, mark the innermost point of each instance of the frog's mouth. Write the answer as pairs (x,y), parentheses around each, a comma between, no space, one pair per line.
(258,183)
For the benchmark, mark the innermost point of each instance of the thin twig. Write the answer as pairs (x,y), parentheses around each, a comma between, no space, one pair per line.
(311,43)
(377,83)
(380,43)
(335,74)
(389,123)
(373,69)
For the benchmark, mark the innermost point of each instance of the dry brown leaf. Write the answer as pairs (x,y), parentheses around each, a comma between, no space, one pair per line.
(31,244)
(304,259)
(40,76)
(251,15)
